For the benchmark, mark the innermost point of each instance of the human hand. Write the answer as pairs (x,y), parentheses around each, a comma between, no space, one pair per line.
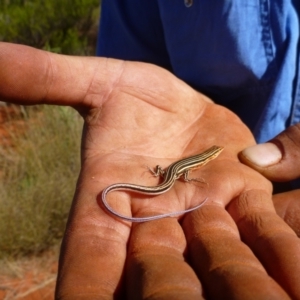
(279,161)
(137,115)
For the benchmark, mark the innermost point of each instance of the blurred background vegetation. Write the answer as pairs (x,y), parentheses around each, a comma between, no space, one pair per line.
(40,146)
(62,26)
(39,163)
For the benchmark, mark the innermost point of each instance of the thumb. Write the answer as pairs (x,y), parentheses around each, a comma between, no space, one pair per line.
(278,159)
(30,76)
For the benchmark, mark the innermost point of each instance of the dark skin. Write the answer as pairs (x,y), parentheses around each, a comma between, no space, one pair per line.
(285,167)
(136,115)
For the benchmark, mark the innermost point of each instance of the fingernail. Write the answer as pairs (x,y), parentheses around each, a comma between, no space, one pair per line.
(263,155)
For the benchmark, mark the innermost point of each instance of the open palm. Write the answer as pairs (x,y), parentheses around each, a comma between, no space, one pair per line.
(138,115)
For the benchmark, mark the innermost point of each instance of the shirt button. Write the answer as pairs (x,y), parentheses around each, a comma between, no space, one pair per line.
(188,3)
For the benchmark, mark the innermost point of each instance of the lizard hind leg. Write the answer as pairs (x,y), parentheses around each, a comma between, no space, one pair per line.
(187,179)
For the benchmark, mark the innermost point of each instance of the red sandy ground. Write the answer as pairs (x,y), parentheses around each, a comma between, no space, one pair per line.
(31,278)
(11,121)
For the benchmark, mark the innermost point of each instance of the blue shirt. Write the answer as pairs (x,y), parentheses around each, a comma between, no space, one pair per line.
(243,54)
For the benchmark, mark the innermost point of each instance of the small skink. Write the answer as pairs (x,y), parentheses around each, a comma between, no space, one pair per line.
(172,173)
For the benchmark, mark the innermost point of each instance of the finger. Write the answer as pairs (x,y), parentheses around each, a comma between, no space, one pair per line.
(226,267)
(156,268)
(93,252)
(271,239)
(287,206)
(278,160)
(32,76)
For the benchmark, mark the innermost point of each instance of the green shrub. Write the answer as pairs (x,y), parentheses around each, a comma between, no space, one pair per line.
(37,180)
(62,26)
